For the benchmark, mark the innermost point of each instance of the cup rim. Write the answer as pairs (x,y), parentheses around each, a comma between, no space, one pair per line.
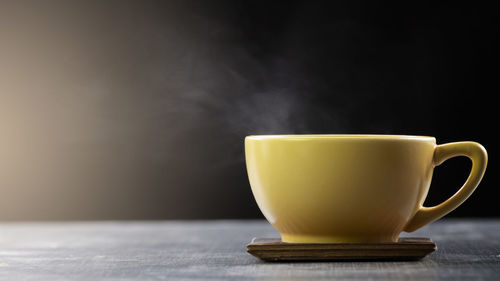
(340,136)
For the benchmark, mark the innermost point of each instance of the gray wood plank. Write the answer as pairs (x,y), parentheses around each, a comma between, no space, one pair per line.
(215,250)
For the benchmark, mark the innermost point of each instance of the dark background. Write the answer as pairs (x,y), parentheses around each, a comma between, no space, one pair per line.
(138,109)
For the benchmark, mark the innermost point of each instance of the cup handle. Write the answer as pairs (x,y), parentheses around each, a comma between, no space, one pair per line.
(479,157)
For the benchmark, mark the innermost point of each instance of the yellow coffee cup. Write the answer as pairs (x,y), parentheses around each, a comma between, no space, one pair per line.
(352,188)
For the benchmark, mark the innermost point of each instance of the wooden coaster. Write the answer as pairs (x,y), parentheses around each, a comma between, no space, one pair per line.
(272,249)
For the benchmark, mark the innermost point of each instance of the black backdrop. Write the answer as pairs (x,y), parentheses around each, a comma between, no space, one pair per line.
(143,106)
(366,67)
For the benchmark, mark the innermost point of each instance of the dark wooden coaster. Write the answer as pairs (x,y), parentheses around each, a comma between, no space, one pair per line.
(272,249)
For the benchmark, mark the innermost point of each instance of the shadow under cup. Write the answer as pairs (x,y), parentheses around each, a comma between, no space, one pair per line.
(351,188)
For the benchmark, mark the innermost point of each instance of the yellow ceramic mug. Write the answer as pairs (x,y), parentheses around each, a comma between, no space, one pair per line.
(352,188)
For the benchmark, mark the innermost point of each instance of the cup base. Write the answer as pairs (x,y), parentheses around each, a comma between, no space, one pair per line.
(330,239)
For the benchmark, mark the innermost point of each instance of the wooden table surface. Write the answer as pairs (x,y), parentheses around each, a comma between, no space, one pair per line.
(201,250)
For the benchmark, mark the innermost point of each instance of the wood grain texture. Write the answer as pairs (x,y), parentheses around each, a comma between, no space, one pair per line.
(215,250)
(273,249)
